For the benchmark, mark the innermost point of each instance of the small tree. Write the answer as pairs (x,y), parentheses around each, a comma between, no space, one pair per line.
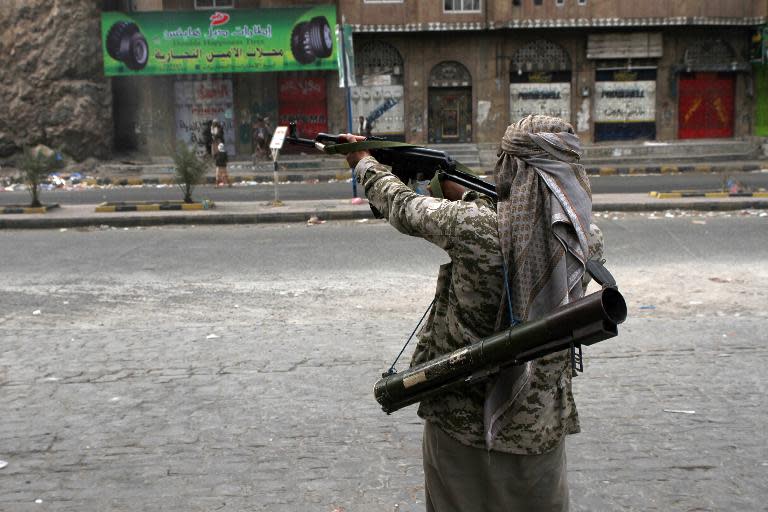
(190,170)
(37,163)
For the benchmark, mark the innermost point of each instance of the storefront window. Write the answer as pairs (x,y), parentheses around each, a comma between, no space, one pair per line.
(214,4)
(461,5)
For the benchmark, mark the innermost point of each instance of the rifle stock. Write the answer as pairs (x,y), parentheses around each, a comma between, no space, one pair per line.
(586,321)
(406,161)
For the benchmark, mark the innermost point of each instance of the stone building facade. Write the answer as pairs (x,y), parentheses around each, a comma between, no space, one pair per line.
(425,71)
(454,71)
(617,70)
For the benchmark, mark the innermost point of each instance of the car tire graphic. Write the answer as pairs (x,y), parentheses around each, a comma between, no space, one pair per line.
(128,45)
(312,40)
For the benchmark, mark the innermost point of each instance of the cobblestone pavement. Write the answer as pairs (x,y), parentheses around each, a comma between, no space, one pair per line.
(135,382)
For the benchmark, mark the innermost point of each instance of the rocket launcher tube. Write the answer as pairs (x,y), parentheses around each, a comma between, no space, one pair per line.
(589,320)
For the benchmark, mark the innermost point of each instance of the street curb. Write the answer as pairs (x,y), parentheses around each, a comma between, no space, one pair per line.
(673,169)
(701,206)
(711,195)
(28,209)
(344,174)
(153,207)
(189,219)
(211,180)
(210,217)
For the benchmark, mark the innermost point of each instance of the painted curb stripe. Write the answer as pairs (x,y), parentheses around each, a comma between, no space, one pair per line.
(711,195)
(28,209)
(110,208)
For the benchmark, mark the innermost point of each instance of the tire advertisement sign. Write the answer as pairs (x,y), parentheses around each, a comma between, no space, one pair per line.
(540,93)
(231,41)
(761,95)
(625,104)
(198,101)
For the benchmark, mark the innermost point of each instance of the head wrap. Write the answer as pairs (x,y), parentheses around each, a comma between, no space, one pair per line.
(544,211)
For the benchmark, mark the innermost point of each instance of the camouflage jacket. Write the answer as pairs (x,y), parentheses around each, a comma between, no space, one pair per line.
(469,291)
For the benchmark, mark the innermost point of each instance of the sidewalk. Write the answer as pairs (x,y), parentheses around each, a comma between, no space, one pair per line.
(328,169)
(72,216)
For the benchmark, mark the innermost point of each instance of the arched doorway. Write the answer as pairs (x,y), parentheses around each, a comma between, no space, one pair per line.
(706,90)
(540,81)
(450,103)
(377,100)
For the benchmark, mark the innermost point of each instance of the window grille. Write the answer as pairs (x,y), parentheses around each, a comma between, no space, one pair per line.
(450,74)
(540,55)
(711,54)
(377,58)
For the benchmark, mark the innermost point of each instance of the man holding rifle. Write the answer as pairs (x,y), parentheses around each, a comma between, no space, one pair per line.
(499,445)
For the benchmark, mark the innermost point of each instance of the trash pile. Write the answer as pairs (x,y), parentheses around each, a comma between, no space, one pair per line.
(74,181)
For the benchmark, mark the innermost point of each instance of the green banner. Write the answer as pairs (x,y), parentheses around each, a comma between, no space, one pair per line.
(761,95)
(227,41)
(346,69)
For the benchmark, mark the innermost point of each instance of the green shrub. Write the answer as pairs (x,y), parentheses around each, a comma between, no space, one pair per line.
(36,164)
(190,170)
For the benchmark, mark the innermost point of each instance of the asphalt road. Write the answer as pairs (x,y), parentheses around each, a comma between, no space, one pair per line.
(230,368)
(341,190)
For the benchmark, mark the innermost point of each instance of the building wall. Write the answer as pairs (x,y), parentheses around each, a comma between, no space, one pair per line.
(484,43)
(487,54)
(501,11)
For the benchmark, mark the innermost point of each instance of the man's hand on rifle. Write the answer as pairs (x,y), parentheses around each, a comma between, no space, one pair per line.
(451,190)
(353,158)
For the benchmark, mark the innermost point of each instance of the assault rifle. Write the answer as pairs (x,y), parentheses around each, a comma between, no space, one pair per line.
(407,161)
(586,321)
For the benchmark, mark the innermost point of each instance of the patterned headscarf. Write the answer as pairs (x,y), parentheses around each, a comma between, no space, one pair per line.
(544,210)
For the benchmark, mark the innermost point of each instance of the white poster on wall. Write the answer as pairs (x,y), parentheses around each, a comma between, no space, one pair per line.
(551,99)
(625,102)
(381,106)
(198,101)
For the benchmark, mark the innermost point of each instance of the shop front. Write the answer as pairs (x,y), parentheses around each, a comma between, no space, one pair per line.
(625,104)
(450,103)
(706,105)
(248,69)
(540,81)
(378,98)
(707,90)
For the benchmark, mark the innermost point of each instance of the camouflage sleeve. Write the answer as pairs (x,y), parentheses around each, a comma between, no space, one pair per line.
(410,213)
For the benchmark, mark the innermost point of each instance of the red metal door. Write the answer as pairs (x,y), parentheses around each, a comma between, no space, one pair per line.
(303,100)
(706,105)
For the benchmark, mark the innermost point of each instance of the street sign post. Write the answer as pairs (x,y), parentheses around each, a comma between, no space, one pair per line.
(275,145)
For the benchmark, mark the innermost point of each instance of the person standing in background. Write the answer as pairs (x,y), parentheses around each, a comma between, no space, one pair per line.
(217,135)
(221,159)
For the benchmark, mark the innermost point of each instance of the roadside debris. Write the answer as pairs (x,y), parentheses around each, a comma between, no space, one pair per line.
(315,220)
(680,411)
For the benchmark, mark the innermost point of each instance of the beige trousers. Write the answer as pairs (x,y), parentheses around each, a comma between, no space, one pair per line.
(460,478)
